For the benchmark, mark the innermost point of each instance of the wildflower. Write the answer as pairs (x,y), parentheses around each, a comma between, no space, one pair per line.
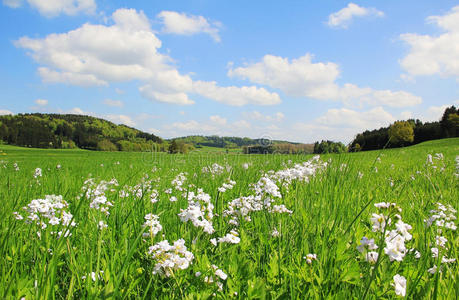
(49,211)
(232,238)
(372,257)
(379,222)
(400,285)
(432,270)
(275,233)
(395,246)
(17,216)
(199,211)
(16,167)
(220,273)
(173,199)
(441,241)
(434,252)
(310,257)
(102,225)
(170,257)
(213,241)
(152,222)
(38,173)
(365,242)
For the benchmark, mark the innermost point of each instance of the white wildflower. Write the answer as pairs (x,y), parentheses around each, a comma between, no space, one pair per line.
(400,285)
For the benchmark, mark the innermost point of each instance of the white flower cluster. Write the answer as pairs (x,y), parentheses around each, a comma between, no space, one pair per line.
(266,191)
(152,222)
(214,169)
(16,167)
(199,211)
(96,193)
(231,238)
(37,173)
(93,275)
(139,190)
(48,212)
(299,172)
(436,161)
(179,181)
(443,216)
(394,237)
(443,219)
(169,258)
(310,258)
(218,275)
(399,285)
(227,186)
(368,244)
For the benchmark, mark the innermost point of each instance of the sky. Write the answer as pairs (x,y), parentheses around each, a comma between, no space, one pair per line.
(301,71)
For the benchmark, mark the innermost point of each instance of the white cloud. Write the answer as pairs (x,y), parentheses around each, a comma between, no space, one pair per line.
(77,111)
(41,102)
(5,112)
(120,119)
(343,17)
(256,115)
(236,96)
(119,91)
(347,118)
(395,99)
(128,50)
(114,103)
(433,113)
(12,3)
(183,24)
(53,8)
(298,78)
(218,120)
(431,55)
(301,78)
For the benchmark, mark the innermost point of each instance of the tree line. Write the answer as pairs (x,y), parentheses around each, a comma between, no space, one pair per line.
(410,132)
(66,131)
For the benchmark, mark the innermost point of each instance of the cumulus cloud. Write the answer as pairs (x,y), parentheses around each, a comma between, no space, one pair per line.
(120,119)
(184,24)
(114,103)
(41,102)
(236,96)
(53,8)
(5,112)
(128,50)
(218,120)
(302,78)
(343,17)
(12,3)
(428,54)
(256,115)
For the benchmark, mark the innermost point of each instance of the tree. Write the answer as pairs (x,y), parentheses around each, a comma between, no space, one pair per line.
(448,126)
(173,147)
(401,133)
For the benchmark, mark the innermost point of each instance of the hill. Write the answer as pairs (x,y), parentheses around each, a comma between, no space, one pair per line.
(67,131)
(214,141)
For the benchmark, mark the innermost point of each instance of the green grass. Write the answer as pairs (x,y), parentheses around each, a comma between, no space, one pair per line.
(331,213)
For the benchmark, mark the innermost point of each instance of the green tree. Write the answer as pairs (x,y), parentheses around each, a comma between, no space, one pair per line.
(401,133)
(173,147)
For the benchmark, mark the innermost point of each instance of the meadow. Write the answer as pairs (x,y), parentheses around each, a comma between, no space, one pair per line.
(77,224)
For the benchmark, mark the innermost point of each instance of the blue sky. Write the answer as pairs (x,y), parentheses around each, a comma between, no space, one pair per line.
(293,70)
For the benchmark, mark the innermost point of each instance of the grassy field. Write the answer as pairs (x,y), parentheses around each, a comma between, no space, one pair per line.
(203,225)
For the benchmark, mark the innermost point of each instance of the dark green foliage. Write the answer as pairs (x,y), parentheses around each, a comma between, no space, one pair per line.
(71,131)
(329,147)
(379,138)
